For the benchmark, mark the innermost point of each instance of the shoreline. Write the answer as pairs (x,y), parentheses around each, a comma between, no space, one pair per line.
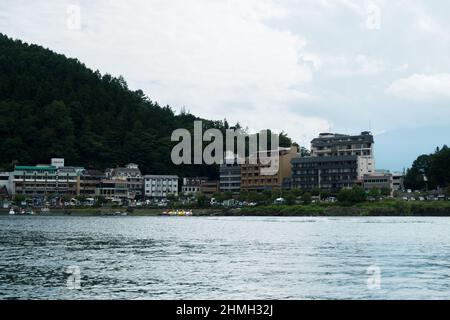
(366,209)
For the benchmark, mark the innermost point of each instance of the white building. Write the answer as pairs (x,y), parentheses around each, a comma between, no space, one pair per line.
(160,186)
(7,180)
(397,184)
(192,186)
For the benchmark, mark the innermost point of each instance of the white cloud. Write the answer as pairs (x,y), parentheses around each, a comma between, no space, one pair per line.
(303,66)
(217,58)
(350,66)
(422,87)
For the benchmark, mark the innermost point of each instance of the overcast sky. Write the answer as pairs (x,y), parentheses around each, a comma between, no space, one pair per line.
(300,66)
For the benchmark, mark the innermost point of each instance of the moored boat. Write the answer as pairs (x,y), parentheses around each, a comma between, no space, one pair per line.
(12,212)
(177,213)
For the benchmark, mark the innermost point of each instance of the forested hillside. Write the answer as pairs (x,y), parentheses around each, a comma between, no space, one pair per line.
(430,171)
(52,106)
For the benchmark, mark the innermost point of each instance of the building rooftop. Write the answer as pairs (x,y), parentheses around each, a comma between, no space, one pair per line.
(161,176)
(324,159)
(39,168)
(365,136)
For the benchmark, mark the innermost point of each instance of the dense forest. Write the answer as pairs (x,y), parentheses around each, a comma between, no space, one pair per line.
(53,106)
(430,171)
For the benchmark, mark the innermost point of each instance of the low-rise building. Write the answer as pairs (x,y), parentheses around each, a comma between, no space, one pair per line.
(378,180)
(160,186)
(397,181)
(4,194)
(192,186)
(7,181)
(209,188)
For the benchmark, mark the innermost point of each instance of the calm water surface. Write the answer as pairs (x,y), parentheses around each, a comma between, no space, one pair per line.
(224,258)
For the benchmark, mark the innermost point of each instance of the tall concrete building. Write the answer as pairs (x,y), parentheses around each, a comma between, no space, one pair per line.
(338,145)
(337,161)
(230,175)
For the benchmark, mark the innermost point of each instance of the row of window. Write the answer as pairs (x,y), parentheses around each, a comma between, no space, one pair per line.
(325,164)
(376,181)
(260,181)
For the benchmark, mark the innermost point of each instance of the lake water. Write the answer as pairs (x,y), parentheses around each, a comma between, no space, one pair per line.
(224,258)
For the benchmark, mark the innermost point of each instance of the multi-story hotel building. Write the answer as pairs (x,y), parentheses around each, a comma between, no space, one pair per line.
(43,180)
(254,172)
(332,173)
(90,183)
(337,161)
(116,190)
(337,145)
(160,186)
(132,175)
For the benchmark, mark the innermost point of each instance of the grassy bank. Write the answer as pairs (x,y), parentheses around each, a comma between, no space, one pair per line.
(381,208)
(91,212)
(378,208)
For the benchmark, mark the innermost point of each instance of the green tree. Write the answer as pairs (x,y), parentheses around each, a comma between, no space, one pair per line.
(304,152)
(324,194)
(171,197)
(227,195)
(385,192)
(352,196)
(297,192)
(202,200)
(18,199)
(447,191)
(374,193)
(100,201)
(316,192)
(414,178)
(253,197)
(306,198)
(243,195)
(290,198)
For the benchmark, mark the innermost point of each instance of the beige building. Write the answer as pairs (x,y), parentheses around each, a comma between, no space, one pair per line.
(209,188)
(257,176)
(379,180)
